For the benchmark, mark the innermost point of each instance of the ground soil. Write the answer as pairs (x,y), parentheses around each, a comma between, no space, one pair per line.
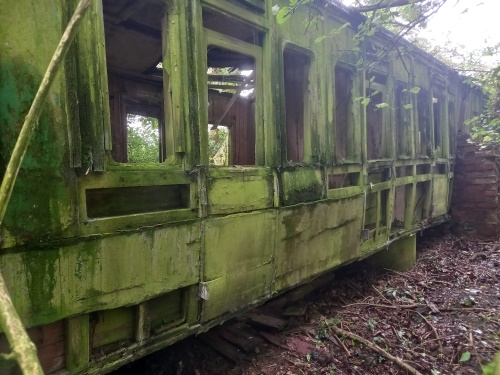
(441,317)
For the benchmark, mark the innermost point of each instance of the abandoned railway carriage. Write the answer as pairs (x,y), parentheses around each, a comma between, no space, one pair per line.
(195,158)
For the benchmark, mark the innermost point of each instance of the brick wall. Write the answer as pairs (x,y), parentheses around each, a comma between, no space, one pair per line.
(475,201)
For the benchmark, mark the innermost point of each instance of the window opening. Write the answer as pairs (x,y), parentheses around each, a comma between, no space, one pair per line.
(231,107)
(436,108)
(376,210)
(424,124)
(343,110)
(142,138)
(338,181)
(296,71)
(404,171)
(218,145)
(403,124)
(232,27)
(257,6)
(401,194)
(452,125)
(375,126)
(135,79)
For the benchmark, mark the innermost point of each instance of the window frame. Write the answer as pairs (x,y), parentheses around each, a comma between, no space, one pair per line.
(440,149)
(353,147)
(213,38)
(386,131)
(298,50)
(403,131)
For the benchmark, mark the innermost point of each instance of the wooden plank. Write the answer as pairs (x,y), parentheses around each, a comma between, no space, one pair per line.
(77,343)
(92,89)
(142,322)
(266,320)
(295,310)
(223,347)
(248,333)
(274,339)
(240,337)
(228,8)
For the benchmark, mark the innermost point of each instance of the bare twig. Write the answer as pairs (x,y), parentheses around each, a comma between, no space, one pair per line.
(376,348)
(384,5)
(396,307)
(431,326)
(380,294)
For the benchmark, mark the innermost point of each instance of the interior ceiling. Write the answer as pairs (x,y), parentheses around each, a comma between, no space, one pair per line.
(133,34)
(133,37)
(223,58)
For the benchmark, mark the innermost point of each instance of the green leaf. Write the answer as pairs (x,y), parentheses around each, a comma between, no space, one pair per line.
(464,357)
(282,16)
(365,101)
(408,106)
(415,90)
(382,105)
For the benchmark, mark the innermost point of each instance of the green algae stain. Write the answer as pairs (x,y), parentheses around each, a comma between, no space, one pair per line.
(34,209)
(18,86)
(42,270)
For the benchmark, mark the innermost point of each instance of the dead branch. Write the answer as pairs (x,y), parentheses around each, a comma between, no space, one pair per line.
(384,5)
(416,305)
(380,294)
(412,306)
(431,326)
(376,348)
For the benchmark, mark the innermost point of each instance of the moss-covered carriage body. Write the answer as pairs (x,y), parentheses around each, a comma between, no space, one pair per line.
(108,257)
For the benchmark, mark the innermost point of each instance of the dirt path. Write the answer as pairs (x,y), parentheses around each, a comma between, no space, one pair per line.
(442,317)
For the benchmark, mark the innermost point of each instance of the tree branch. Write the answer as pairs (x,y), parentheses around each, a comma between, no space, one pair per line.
(385,5)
